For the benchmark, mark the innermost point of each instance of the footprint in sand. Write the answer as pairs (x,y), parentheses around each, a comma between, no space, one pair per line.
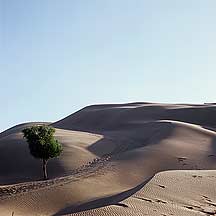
(211,155)
(121,205)
(208,211)
(161,201)
(161,186)
(189,207)
(196,176)
(181,159)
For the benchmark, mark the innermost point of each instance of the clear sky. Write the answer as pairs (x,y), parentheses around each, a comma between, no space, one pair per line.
(57,56)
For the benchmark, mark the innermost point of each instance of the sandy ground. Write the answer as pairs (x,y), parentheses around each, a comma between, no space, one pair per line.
(168,193)
(115,162)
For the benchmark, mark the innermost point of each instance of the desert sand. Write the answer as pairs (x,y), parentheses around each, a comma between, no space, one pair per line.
(118,159)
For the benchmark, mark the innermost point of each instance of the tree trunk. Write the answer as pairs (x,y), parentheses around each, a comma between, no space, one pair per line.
(45,169)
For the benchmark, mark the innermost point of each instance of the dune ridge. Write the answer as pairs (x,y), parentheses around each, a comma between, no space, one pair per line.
(110,153)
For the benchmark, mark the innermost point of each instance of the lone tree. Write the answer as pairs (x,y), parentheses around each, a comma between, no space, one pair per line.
(42,144)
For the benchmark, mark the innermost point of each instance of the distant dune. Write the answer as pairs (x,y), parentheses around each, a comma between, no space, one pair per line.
(117,160)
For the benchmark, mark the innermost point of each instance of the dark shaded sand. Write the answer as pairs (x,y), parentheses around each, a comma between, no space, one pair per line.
(111,153)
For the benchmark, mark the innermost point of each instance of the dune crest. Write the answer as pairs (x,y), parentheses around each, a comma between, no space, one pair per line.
(110,153)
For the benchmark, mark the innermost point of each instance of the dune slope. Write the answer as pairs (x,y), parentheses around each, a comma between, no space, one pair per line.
(110,152)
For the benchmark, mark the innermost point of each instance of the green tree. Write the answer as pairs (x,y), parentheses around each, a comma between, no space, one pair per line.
(42,144)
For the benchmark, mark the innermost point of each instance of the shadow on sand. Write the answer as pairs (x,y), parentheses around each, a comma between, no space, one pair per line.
(102,202)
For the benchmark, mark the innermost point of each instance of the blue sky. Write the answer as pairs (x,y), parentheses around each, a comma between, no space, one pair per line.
(57,56)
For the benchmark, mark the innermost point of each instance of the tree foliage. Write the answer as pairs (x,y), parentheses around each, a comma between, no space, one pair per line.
(42,144)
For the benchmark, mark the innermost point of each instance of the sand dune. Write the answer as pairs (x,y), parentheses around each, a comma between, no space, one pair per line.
(168,193)
(110,117)
(110,153)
